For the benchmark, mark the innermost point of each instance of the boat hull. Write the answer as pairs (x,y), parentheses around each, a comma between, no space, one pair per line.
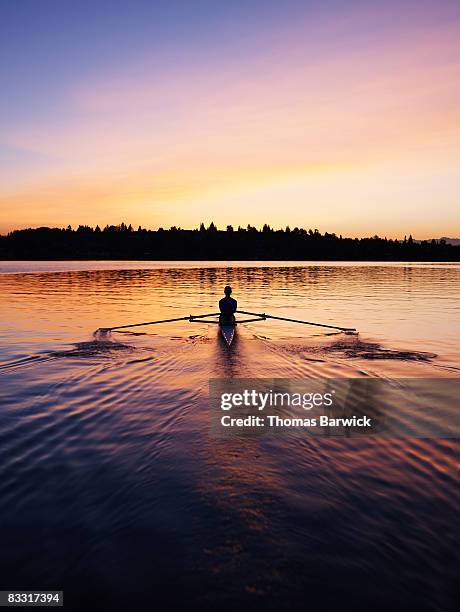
(228,332)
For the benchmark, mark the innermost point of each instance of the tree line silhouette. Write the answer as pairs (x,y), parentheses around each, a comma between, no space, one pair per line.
(210,243)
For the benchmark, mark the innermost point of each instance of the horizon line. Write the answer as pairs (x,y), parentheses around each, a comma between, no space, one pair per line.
(216,228)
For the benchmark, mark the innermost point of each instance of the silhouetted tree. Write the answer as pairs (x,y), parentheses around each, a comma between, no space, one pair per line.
(123,242)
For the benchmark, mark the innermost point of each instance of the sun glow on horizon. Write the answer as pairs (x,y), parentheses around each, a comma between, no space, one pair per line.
(345,122)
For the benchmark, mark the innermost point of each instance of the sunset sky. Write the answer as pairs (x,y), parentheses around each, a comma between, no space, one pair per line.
(341,116)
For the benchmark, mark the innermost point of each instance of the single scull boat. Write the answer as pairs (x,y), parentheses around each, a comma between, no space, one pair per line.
(227,328)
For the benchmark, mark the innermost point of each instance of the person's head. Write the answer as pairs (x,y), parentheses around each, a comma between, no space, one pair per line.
(228,290)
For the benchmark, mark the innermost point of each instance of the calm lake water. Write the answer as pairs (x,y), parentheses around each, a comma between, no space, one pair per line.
(112,487)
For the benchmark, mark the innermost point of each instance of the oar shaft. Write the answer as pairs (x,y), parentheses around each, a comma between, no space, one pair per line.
(147,323)
(213,314)
(266,316)
(190,317)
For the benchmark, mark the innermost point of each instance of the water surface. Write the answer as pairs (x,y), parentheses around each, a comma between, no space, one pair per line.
(109,475)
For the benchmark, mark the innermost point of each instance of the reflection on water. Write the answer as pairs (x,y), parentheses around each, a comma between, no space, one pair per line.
(108,472)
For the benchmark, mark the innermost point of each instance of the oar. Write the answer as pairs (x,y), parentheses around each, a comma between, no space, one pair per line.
(266,316)
(189,318)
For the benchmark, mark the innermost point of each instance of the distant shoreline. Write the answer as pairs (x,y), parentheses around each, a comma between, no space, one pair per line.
(123,243)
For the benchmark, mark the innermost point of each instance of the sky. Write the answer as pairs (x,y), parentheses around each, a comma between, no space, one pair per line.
(340,116)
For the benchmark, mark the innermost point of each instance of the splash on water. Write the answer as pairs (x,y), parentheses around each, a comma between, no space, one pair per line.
(93,348)
(102,334)
(372,350)
(355,348)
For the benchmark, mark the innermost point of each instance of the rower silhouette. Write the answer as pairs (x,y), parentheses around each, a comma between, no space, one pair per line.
(227,306)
